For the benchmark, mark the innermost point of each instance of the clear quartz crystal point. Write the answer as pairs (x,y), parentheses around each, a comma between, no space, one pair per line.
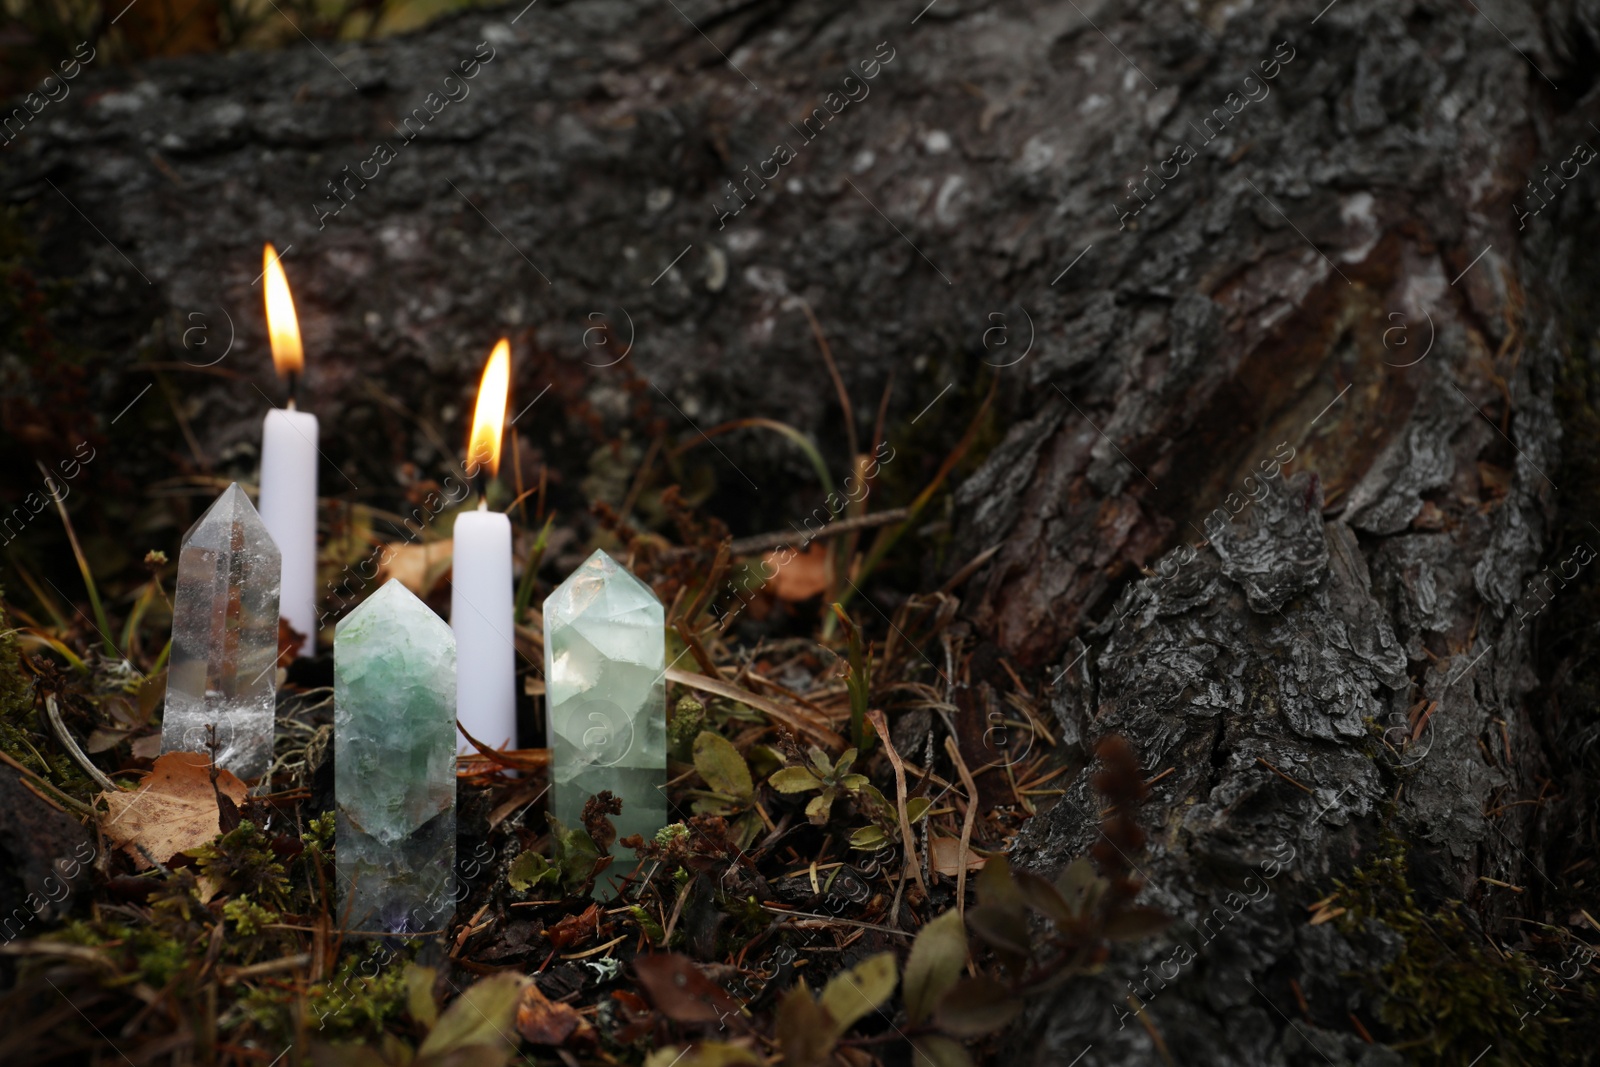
(605,650)
(394,779)
(223,673)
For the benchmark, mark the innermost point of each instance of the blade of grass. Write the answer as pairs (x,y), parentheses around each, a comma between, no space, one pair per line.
(83,568)
(889,535)
(800,440)
(859,683)
(136,615)
(45,600)
(530,569)
(838,382)
(28,637)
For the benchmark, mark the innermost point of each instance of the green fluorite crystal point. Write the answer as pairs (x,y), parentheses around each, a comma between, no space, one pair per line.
(394,780)
(222,685)
(605,650)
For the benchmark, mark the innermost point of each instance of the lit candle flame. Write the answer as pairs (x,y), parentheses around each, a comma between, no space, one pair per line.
(489,417)
(283,327)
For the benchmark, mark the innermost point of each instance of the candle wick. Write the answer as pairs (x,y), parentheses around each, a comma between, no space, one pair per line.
(294,389)
(483,504)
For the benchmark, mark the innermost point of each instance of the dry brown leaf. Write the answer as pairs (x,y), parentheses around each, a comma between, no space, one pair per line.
(946,855)
(174,808)
(681,991)
(803,577)
(544,1021)
(575,930)
(419,567)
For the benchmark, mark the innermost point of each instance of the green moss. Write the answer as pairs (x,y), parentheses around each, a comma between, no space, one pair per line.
(366,991)
(22,734)
(688,719)
(1449,991)
(242,860)
(248,917)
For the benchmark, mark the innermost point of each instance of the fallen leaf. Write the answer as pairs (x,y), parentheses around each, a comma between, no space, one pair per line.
(419,994)
(803,577)
(805,1030)
(937,956)
(544,1021)
(945,853)
(419,567)
(478,1019)
(173,809)
(862,989)
(680,991)
(103,739)
(576,929)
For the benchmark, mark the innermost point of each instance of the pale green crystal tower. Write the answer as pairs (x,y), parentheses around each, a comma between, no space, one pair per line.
(222,684)
(394,779)
(605,650)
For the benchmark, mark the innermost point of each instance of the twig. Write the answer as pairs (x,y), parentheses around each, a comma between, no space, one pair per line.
(876,718)
(53,713)
(677,909)
(790,718)
(833,372)
(1285,777)
(966,822)
(746,546)
(29,778)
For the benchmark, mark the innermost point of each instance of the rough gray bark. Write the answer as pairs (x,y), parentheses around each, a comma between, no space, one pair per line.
(1248,305)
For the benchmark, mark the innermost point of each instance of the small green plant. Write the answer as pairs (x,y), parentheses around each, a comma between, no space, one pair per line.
(858,678)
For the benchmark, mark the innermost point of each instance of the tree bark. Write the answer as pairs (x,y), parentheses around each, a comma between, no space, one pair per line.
(1344,268)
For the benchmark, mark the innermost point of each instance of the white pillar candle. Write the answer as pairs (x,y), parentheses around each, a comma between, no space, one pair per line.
(481,616)
(480,586)
(288,503)
(288,508)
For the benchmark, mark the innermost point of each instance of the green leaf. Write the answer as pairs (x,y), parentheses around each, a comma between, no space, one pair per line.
(419,994)
(862,989)
(720,764)
(1136,922)
(853,782)
(715,803)
(937,956)
(876,802)
(1002,928)
(917,807)
(932,1050)
(805,1031)
(868,839)
(842,767)
(820,760)
(817,811)
(996,886)
(531,869)
(794,780)
(1080,885)
(1044,898)
(573,851)
(483,1015)
(976,1006)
